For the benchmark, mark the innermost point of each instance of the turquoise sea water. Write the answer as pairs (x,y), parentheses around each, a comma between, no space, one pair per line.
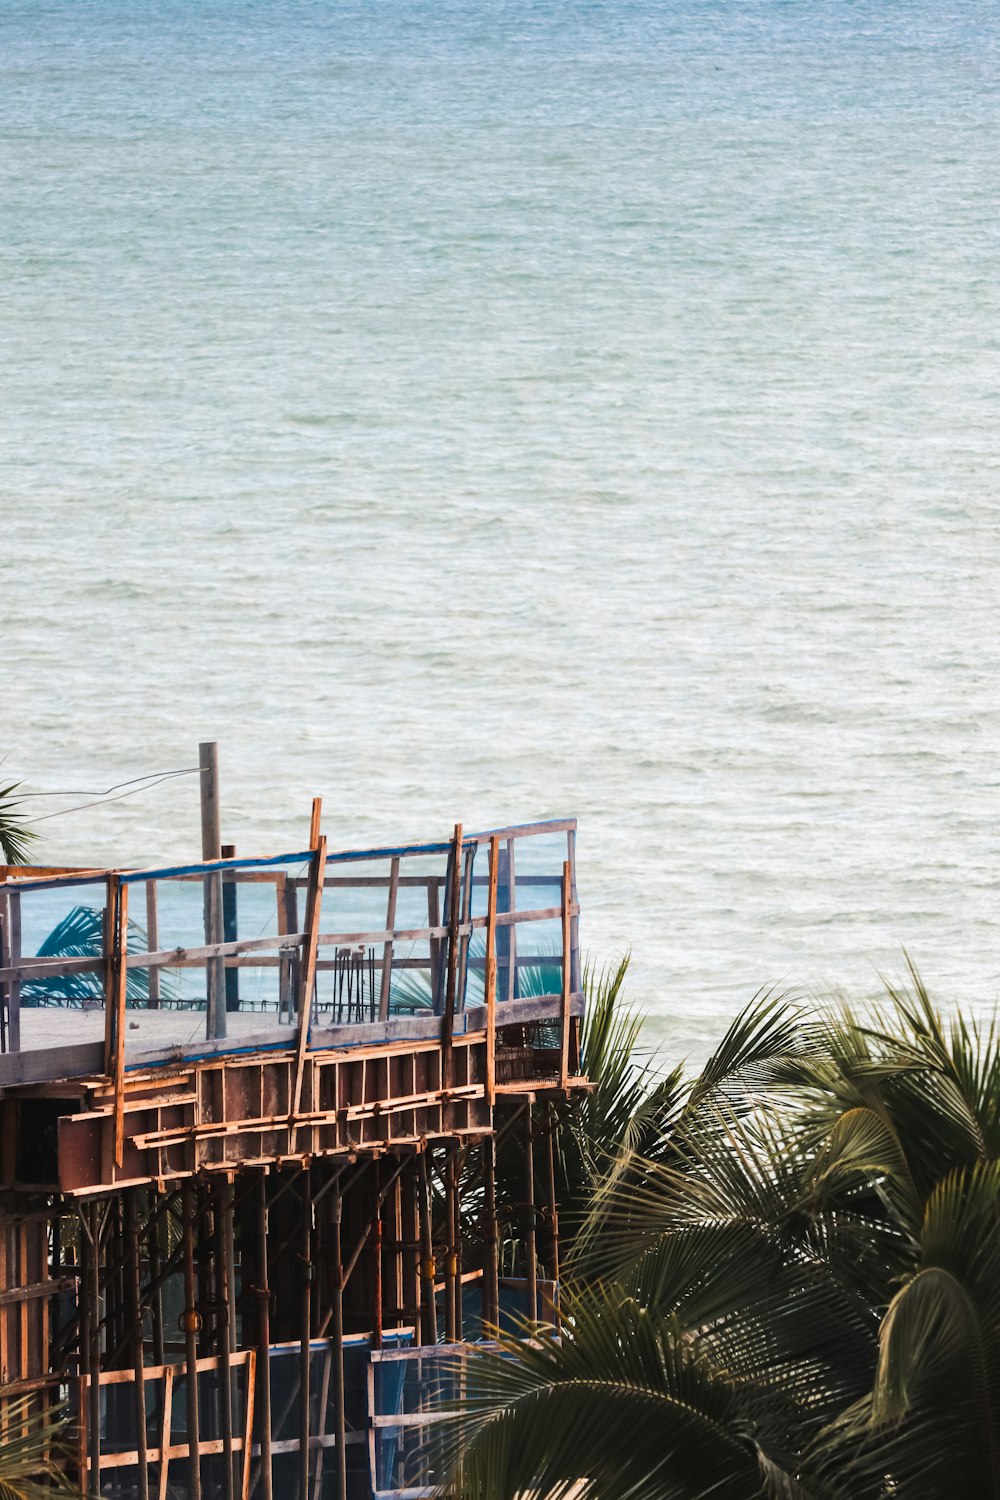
(497,410)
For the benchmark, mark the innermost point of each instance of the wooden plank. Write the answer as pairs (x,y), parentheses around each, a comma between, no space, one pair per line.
(315,822)
(390,921)
(251,1386)
(36,1290)
(166,1419)
(308,978)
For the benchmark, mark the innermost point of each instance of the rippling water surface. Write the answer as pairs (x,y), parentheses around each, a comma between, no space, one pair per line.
(498,410)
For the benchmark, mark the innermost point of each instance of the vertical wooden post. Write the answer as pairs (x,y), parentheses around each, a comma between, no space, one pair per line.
(434,944)
(459,1296)
(211,849)
(90,1223)
(427,1266)
(152,943)
(134,1297)
(491,1234)
(454,920)
(463,946)
(530,1228)
(305,1353)
(10,954)
(5,960)
(156,1290)
(512,929)
(398,1261)
(317,876)
(191,1323)
(451,1254)
(222,1295)
(411,1220)
(337,1333)
(390,922)
(567,960)
(491,975)
(264,1343)
(577,977)
(211,803)
(553,1255)
(230,930)
(115,989)
(377,1246)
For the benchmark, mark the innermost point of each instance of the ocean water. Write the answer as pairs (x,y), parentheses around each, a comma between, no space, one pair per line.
(487,411)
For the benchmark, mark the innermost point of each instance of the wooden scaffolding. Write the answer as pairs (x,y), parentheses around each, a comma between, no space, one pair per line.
(249,1201)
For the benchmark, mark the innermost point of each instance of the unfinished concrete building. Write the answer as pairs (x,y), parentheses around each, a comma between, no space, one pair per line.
(250,1119)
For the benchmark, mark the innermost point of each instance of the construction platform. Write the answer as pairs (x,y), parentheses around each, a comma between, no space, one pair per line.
(250,1114)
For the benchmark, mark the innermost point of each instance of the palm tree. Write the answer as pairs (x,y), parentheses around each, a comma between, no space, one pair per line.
(797,1294)
(16,837)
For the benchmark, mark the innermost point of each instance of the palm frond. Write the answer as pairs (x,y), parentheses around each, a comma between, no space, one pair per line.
(36,1453)
(16,838)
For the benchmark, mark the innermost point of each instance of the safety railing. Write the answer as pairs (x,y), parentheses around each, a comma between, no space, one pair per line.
(303,948)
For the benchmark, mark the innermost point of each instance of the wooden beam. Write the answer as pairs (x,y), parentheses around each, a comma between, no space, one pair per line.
(134,1295)
(491,974)
(305,1329)
(390,921)
(466,927)
(337,1339)
(530,1224)
(315,822)
(152,942)
(454,927)
(223,1298)
(427,1264)
(491,1234)
(567,960)
(118,922)
(553,1206)
(264,1342)
(308,977)
(13,945)
(191,1323)
(512,930)
(211,849)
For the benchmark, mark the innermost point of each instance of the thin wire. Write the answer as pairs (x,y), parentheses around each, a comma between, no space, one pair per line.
(92,792)
(100,801)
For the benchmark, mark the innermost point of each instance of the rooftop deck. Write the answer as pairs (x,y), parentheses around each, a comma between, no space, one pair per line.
(225,1011)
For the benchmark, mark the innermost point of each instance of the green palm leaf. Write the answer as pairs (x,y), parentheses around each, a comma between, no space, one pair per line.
(35,1450)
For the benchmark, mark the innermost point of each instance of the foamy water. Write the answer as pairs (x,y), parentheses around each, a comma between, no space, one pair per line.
(495,411)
